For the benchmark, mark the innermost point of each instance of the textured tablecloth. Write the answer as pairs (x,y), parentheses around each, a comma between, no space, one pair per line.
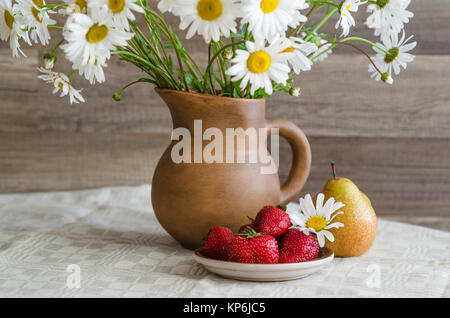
(112,236)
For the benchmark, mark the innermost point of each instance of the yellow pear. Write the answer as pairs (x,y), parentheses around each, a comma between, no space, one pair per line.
(359,219)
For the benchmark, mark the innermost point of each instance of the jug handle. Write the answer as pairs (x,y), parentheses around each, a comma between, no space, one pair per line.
(301,163)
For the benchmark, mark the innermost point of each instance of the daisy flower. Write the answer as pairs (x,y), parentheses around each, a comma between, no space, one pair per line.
(301,50)
(398,57)
(61,83)
(345,19)
(10,27)
(268,18)
(388,17)
(74,6)
(209,18)
(89,41)
(166,5)
(260,65)
(317,219)
(117,10)
(92,72)
(36,19)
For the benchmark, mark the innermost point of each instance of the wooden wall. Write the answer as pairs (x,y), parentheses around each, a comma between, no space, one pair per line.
(393,141)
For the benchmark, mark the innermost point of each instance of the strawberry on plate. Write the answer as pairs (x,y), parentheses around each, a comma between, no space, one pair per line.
(271,220)
(216,243)
(240,250)
(252,247)
(296,246)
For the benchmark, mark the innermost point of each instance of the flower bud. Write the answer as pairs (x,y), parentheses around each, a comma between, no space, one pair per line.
(117,97)
(49,60)
(228,54)
(386,77)
(382,3)
(294,91)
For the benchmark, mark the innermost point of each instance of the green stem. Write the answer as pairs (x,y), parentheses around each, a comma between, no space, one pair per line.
(155,53)
(72,72)
(146,63)
(57,46)
(55,27)
(362,51)
(354,38)
(208,68)
(345,40)
(172,40)
(209,73)
(319,2)
(321,23)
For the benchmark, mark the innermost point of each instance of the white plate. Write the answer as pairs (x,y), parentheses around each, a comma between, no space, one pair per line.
(265,272)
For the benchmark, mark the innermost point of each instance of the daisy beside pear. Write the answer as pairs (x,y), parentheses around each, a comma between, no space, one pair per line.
(341,216)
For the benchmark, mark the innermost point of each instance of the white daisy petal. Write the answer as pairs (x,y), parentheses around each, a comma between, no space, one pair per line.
(389,20)
(334,225)
(332,218)
(11,22)
(119,11)
(89,42)
(316,219)
(345,19)
(397,59)
(260,65)
(321,238)
(209,18)
(328,235)
(61,83)
(268,19)
(36,20)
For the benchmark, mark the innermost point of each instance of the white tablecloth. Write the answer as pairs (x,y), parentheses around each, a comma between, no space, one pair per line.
(112,236)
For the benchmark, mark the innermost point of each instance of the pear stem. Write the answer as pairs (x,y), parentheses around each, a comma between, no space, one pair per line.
(333,168)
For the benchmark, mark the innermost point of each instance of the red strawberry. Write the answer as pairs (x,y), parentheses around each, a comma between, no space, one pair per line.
(240,250)
(265,249)
(271,220)
(296,247)
(253,247)
(216,243)
(245,227)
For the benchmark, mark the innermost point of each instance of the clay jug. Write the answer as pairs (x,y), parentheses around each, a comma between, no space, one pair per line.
(190,198)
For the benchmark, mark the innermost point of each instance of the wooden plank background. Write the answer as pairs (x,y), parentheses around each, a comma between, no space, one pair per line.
(393,141)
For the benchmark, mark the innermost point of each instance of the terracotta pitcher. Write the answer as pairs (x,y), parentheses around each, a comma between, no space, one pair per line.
(191,198)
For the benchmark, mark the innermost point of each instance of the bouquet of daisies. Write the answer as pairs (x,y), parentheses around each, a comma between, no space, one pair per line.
(255,47)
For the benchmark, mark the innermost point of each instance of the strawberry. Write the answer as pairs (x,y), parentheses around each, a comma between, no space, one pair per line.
(271,220)
(245,227)
(265,249)
(240,250)
(253,247)
(296,247)
(216,243)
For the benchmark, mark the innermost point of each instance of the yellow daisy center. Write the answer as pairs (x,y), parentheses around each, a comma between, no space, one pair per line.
(97,33)
(116,6)
(209,10)
(317,223)
(288,50)
(347,7)
(9,19)
(268,6)
(80,5)
(35,11)
(60,85)
(258,62)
